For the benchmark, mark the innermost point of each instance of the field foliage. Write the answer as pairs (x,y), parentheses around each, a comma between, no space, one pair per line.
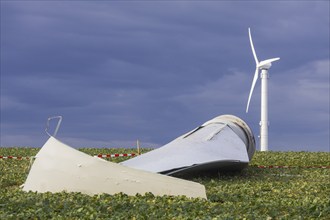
(285,193)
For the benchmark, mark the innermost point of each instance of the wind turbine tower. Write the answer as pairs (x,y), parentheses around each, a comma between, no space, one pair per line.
(264,67)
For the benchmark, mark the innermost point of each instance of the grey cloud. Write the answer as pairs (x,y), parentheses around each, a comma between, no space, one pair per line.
(153,70)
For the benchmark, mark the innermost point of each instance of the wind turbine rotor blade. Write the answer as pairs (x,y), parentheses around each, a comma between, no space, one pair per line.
(252,47)
(255,78)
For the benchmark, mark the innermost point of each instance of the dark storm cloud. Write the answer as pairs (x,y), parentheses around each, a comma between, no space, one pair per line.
(118,71)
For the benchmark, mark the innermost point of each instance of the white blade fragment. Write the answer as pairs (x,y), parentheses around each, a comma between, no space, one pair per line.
(58,167)
(225,141)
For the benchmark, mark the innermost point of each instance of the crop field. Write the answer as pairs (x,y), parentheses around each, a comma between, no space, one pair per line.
(300,190)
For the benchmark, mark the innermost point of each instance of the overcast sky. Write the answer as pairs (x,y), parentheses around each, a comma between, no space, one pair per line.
(118,71)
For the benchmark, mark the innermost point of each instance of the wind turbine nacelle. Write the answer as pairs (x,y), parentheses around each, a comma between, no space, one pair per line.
(265,66)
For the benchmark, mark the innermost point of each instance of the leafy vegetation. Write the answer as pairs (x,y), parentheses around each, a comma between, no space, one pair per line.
(254,193)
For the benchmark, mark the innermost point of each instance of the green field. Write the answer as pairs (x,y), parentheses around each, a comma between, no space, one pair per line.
(299,192)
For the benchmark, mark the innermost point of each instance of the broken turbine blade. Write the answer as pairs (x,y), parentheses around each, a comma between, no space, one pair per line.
(223,143)
(58,168)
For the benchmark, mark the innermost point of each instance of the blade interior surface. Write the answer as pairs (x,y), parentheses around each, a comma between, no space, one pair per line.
(252,47)
(252,88)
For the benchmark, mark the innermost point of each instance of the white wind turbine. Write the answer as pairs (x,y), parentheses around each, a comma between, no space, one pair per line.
(263,66)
